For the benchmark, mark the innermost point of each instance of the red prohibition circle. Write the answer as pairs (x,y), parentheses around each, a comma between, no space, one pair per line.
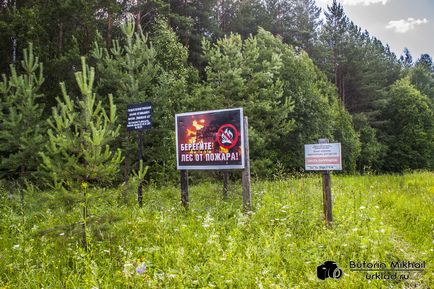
(221,134)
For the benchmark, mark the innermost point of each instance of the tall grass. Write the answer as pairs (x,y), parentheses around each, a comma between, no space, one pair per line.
(216,245)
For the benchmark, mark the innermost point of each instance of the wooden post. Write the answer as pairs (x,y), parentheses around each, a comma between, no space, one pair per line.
(327,196)
(140,156)
(84,224)
(225,185)
(327,191)
(184,188)
(140,194)
(247,196)
(127,162)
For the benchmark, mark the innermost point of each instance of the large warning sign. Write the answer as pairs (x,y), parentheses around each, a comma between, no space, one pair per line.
(322,157)
(210,140)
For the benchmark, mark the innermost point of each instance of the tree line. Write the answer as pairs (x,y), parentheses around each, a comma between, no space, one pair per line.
(298,78)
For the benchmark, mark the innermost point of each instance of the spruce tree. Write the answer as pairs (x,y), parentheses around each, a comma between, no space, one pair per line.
(21,123)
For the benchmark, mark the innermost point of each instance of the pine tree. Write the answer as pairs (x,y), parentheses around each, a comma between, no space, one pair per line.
(21,123)
(334,37)
(151,69)
(422,76)
(79,137)
(406,59)
(78,152)
(246,74)
(306,18)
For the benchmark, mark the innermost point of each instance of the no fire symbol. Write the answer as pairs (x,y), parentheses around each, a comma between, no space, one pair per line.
(227,136)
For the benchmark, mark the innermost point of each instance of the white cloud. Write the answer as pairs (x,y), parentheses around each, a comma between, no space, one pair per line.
(354,2)
(403,25)
(364,2)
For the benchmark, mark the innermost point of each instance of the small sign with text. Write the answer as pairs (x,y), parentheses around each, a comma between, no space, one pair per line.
(139,116)
(323,157)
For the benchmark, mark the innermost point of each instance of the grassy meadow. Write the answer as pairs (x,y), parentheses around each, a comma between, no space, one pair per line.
(215,245)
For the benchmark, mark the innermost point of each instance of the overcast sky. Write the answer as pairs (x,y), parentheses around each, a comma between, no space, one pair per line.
(399,23)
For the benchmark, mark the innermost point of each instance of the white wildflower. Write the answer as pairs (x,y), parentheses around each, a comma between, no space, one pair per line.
(207,222)
(128,269)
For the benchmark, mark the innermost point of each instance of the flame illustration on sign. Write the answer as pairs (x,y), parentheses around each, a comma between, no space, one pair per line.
(193,132)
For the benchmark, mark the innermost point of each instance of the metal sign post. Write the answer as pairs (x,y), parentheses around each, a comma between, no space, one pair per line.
(139,119)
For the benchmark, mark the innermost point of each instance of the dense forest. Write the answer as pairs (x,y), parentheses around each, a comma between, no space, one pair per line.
(69,68)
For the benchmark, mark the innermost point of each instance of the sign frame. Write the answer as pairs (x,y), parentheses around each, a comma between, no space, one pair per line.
(215,166)
(336,147)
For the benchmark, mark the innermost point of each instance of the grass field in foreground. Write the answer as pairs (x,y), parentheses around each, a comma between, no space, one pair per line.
(215,245)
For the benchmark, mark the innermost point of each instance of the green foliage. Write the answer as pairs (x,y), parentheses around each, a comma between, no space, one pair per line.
(241,74)
(128,70)
(345,134)
(170,53)
(19,25)
(279,245)
(371,149)
(359,65)
(409,129)
(79,137)
(334,38)
(296,21)
(21,124)
(153,70)
(288,99)
(422,77)
(56,30)
(316,112)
